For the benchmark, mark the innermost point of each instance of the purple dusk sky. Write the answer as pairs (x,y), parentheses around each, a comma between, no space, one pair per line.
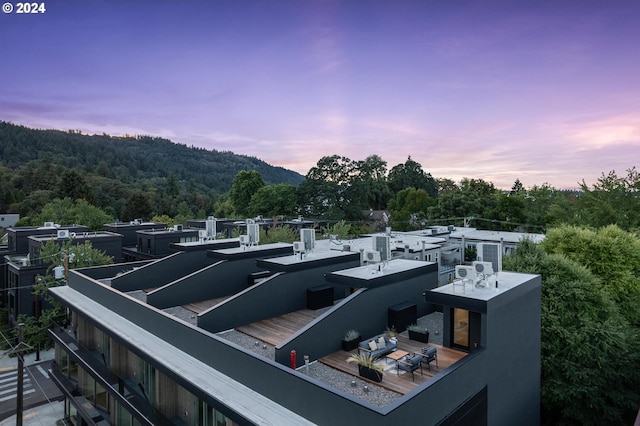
(543,91)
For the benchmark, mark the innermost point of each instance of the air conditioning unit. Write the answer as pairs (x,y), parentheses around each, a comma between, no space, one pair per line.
(464,272)
(63,233)
(177,227)
(244,240)
(298,247)
(485,268)
(72,234)
(308,237)
(253,231)
(49,225)
(372,256)
(137,221)
(490,252)
(210,227)
(382,244)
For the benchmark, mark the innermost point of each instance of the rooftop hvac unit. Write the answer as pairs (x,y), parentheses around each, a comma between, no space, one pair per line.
(49,225)
(244,240)
(58,272)
(210,226)
(308,237)
(63,233)
(485,268)
(177,227)
(253,231)
(137,221)
(490,252)
(72,234)
(298,247)
(372,256)
(382,244)
(464,272)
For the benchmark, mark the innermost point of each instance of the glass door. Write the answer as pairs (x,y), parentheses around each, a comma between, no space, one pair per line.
(461,328)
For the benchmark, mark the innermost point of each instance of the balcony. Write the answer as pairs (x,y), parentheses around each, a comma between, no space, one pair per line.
(124,390)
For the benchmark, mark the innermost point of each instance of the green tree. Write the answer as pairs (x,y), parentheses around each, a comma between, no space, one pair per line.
(612,199)
(278,234)
(137,206)
(78,256)
(517,187)
(326,191)
(548,206)
(273,200)
(245,185)
(590,354)
(409,208)
(163,219)
(73,185)
(411,175)
(474,198)
(610,253)
(341,229)
(66,212)
(369,183)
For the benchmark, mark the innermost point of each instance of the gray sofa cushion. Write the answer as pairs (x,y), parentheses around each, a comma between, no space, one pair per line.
(389,346)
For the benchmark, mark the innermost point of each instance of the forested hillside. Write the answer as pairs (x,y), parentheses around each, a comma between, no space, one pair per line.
(50,160)
(133,158)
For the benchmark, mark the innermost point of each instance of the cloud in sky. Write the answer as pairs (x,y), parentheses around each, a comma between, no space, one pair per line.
(539,91)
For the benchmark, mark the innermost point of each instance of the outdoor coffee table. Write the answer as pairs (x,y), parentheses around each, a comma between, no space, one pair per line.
(397,355)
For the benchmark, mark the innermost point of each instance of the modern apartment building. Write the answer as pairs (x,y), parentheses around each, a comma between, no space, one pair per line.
(226,335)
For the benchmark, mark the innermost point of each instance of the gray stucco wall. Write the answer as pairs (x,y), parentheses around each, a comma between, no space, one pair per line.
(162,271)
(220,279)
(513,369)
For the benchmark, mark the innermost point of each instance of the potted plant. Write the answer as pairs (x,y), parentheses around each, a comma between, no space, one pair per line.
(367,367)
(391,333)
(350,340)
(418,333)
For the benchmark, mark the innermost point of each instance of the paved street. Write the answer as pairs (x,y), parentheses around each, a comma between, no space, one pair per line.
(39,389)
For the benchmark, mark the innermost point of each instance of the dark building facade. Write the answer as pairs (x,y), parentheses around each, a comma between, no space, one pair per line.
(153,345)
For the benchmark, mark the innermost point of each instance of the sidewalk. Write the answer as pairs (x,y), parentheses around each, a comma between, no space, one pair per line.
(7,362)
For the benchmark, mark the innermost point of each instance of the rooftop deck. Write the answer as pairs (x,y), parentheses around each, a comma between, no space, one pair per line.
(401,384)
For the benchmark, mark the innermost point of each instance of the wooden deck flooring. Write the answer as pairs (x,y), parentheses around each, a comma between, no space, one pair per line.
(275,330)
(199,307)
(403,383)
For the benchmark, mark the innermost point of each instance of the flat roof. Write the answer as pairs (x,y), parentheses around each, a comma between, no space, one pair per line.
(80,235)
(233,394)
(394,266)
(506,281)
(470,297)
(497,236)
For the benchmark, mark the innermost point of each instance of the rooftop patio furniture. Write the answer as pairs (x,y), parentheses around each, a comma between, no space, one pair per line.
(377,346)
(410,364)
(429,354)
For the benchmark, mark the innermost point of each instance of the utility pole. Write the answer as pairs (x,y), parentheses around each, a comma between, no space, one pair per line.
(19,398)
(66,265)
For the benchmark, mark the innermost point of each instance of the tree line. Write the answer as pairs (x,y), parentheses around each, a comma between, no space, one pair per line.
(589,261)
